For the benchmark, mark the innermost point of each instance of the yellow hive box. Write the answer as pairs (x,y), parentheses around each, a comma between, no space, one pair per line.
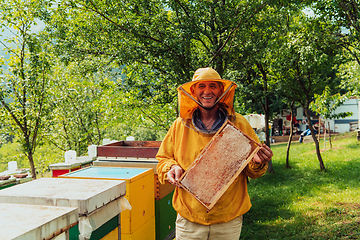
(139,193)
(146,231)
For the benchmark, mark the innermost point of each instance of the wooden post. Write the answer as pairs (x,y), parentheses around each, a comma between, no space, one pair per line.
(324,134)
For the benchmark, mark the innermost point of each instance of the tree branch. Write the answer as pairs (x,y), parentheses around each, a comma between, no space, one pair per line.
(234,30)
(153,120)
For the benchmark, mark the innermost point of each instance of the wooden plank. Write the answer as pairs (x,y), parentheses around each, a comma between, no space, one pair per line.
(135,149)
(136,143)
(117,151)
(162,190)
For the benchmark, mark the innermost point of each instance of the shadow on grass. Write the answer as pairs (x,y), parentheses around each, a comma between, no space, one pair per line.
(284,207)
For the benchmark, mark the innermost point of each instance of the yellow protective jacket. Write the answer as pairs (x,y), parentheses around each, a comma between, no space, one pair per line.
(181,146)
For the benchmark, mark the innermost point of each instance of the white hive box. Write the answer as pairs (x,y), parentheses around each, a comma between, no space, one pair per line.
(97,201)
(218,164)
(23,222)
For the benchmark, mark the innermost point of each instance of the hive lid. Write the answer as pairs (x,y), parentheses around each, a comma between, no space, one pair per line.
(109,173)
(85,194)
(218,164)
(22,222)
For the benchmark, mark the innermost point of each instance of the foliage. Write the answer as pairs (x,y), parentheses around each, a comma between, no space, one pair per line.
(121,131)
(345,14)
(160,43)
(252,62)
(326,104)
(149,103)
(84,99)
(304,203)
(91,102)
(349,73)
(145,134)
(118,63)
(43,157)
(11,151)
(23,90)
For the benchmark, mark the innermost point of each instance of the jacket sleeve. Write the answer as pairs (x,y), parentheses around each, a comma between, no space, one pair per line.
(255,170)
(165,156)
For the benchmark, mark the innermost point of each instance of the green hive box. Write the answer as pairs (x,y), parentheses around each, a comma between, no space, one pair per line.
(165,217)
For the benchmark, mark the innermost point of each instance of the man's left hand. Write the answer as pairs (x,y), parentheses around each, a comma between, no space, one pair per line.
(264,155)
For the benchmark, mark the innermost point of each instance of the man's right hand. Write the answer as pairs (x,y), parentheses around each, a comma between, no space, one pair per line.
(174,174)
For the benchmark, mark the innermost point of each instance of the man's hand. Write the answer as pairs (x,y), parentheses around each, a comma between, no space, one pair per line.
(264,155)
(174,174)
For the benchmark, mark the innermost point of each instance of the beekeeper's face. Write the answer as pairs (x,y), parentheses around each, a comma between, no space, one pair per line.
(207,92)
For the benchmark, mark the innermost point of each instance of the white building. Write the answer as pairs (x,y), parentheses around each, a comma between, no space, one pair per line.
(336,125)
(343,125)
(340,125)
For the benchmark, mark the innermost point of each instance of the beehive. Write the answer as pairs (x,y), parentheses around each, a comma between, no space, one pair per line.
(141,154)
(98,201)
(139,193)
(218,164)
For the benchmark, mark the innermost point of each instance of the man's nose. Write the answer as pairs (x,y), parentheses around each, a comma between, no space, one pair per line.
(207,89)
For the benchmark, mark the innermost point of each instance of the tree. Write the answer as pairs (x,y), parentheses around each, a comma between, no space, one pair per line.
(25,86)
(252,62)
(160,43)
(326,105)
(345,14)
(307,65)
(84,104)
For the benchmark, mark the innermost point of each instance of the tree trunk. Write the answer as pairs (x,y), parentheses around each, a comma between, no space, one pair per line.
(287,165)
(267,135)
(322,167)
(32,166)
(266,110)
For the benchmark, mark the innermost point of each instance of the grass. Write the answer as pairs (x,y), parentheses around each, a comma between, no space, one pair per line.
(303,202)
(297,203)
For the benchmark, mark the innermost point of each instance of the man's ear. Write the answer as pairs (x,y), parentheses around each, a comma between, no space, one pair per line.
(221,86)
(192,89)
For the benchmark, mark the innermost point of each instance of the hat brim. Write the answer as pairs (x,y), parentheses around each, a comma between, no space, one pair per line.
(187,86)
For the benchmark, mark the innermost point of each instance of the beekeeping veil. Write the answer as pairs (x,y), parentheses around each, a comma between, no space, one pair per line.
(188,101)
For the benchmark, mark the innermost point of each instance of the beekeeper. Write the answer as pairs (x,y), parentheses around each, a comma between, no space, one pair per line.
(205,104)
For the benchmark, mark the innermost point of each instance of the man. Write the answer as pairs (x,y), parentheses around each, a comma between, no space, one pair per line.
(205,104)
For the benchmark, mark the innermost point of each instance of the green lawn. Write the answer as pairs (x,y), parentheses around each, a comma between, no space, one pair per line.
(303,202)
(297,203)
